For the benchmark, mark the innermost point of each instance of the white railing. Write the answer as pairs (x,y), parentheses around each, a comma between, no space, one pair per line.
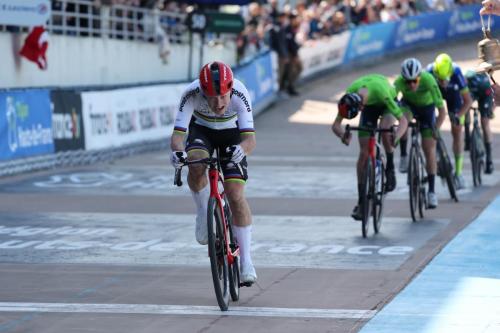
(82,18)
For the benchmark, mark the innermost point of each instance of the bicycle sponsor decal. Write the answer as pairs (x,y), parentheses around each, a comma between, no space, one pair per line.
(300,241)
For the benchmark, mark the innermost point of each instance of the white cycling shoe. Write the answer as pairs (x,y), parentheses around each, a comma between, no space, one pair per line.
(248,274)
(201,231)
(460,182)
(432,200)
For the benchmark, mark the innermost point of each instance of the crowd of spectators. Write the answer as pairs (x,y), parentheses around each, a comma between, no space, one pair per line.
(284,29)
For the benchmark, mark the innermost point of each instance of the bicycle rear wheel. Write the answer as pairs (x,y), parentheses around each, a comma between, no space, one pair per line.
(379,194)
(414,180)
(217,254)
(475,157)
(234,268)
(366,197)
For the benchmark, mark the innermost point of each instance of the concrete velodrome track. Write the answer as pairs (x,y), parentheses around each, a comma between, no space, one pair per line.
(110,247)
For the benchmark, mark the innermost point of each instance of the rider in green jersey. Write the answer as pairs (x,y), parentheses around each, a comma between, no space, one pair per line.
(376,98)
(420,96)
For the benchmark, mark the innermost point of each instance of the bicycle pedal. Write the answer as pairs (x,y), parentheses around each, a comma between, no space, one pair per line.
(246,284)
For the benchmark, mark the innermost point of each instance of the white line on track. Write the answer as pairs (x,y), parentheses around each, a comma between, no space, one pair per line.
(185,310)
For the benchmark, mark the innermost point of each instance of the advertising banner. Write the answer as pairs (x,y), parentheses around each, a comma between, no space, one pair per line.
(115,118)
(24,13)
(318,55)
(465,20)
(25,124)
(421,29)
(67,120)
(259,78)
(370,40)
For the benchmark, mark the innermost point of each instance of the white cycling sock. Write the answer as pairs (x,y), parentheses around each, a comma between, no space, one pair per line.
(201,200)
(244,237)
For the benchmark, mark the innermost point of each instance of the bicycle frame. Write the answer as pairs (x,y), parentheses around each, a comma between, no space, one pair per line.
(374,184)
(214,177)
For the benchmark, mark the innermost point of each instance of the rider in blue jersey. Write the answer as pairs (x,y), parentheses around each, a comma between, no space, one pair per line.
(454,89)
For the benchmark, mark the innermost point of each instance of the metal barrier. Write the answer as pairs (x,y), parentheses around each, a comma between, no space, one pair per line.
(83,18)
(78,157)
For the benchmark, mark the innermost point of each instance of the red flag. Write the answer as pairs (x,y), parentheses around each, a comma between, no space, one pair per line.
(35,46)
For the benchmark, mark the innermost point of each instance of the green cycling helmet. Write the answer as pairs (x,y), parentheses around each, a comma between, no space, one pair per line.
(443,66)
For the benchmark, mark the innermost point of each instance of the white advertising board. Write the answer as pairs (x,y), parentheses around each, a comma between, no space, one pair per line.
(118,117)
(24,13)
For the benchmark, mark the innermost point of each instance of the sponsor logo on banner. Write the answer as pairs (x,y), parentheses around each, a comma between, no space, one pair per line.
(24,13)
(369,41)
(258,78)
(101,123)
(127,122)
(67,122)
(465,21)
(147,118)
(411,31)
(26,128)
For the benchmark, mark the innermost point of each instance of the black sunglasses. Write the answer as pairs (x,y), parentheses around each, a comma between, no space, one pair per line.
(412,81)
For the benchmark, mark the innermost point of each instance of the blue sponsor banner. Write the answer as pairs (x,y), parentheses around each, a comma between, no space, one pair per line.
(370,40)
(258,77)
(421,29)
(25,123)
(465,20)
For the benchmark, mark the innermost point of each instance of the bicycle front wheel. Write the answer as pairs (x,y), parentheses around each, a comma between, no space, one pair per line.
(446,168)
(234,268)
(366,197)
(414,182)
(217,254)
(379,195)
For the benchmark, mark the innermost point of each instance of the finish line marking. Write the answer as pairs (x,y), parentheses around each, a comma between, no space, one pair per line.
(186,310)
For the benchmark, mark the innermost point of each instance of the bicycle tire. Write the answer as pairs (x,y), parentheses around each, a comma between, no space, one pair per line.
(379,195)
(414,182)
(217,254)
(474,159)
(365,203)
(422,199)
(234,268)
(446,168)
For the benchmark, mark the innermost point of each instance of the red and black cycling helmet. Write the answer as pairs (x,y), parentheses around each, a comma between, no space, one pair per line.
(349,105)
(216,78)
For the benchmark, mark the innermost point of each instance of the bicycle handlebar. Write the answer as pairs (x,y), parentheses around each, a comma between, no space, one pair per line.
(368,129)
(178,171)
(207,160)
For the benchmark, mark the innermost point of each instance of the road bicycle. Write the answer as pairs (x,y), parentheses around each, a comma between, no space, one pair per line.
(373,193)
(223,249)
(444,166)
(477,149)
(417,175)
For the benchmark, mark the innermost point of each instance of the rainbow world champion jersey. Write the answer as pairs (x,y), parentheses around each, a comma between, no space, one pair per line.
(194,105)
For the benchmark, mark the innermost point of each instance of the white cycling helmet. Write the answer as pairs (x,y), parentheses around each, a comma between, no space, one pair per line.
(411,68)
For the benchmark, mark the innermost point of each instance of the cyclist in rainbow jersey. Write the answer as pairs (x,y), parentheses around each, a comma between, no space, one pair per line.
(216,112)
